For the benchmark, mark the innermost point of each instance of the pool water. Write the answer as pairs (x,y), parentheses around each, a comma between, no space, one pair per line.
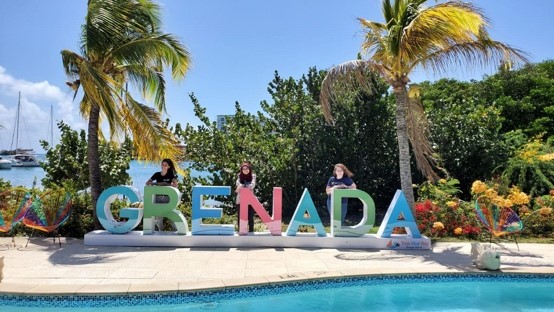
(468,292)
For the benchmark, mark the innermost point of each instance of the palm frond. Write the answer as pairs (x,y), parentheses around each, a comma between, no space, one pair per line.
(418,132)
(482,54)
(452,34)
(152,140)
(351,75)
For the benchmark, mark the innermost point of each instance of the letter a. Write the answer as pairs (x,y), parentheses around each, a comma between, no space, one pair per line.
(399,205)
(306,205)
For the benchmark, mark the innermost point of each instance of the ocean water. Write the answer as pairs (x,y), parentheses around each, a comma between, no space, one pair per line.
(140,172)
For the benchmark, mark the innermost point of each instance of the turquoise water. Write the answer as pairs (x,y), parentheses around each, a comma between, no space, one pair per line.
(140,172)
(418,293)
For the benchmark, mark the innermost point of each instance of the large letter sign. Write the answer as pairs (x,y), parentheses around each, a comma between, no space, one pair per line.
(167,210)
(162,201)
(368,218)
(199,212)
(247,198)
(306,207)
(105,215)
(399,205)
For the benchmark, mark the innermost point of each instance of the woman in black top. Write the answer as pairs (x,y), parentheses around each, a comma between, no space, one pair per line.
(166,177)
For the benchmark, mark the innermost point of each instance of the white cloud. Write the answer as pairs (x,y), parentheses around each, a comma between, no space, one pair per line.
(36,99)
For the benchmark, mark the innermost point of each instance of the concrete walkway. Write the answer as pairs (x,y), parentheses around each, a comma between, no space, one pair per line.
(44,268)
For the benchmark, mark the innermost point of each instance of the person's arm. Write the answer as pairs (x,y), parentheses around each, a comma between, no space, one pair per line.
(329,188)
(352,184)
(237,185)
(253,183)
(151,180)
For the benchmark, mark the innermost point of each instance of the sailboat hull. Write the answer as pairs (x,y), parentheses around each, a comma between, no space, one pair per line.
(5,164)
(25,160)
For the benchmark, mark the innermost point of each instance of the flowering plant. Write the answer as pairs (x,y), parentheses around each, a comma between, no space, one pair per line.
(440,213)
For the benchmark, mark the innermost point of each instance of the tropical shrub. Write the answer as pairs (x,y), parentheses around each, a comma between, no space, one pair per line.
(440,213)
(535,213)
(531,167)
(538,221)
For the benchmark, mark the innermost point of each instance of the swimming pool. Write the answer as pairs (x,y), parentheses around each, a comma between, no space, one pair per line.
(434,292)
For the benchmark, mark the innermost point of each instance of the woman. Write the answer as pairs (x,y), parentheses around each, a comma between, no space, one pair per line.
(245,179)
(341,179)
(166,177)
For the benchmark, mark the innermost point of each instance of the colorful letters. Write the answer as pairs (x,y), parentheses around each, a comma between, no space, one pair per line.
(398,214)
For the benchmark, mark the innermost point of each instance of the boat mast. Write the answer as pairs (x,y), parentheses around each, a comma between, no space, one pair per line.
(51,138)
(16,125)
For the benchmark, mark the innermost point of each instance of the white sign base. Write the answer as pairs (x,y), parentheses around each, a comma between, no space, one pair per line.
(254,240)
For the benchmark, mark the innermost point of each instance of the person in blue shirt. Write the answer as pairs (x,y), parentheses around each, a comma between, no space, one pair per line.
(341,179)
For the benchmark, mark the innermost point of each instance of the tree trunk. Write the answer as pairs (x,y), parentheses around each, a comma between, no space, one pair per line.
(403,143)
(95,177)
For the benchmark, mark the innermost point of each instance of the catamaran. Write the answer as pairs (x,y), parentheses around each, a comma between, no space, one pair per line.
(21,157)
(5,163)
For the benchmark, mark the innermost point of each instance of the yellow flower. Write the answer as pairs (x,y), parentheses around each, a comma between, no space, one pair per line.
(438,226)
(478,187)
(491,194)
(452,204)
(519,198)
(458,231)
(546,157)
(442,181)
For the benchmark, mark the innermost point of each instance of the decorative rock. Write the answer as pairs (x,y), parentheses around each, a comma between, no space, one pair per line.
(484,257)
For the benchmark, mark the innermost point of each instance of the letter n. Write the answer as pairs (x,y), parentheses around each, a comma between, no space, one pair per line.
(273,223)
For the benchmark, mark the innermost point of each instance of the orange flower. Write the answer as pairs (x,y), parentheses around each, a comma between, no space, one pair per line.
(438,226)
(458,231)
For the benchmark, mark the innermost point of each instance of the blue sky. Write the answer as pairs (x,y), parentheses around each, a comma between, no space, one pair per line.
(235,45)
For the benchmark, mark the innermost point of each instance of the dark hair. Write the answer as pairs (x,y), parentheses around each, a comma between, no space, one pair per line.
(170,163)
(245,178)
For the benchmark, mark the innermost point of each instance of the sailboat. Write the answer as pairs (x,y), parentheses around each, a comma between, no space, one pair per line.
(22,157)
(5,163)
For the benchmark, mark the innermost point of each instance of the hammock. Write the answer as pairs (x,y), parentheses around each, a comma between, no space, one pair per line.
(498,220)
(14,204)
(48,212)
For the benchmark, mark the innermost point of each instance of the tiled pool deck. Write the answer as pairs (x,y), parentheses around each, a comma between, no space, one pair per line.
(44,268)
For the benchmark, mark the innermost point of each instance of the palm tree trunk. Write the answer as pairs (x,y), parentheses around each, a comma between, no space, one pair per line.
(403,143)
(95,177)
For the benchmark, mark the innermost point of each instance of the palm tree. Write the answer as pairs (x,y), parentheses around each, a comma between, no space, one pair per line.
(122,42)
(415,36)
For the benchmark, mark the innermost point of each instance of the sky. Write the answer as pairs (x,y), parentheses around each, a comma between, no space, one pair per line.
(235,46)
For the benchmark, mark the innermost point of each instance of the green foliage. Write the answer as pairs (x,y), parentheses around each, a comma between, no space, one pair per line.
(531,168)
(67,161)
(539,220)
(524,97)
(291,146)
(465,131)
